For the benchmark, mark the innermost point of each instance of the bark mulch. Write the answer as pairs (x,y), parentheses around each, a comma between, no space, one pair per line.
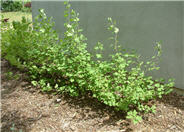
(25,108)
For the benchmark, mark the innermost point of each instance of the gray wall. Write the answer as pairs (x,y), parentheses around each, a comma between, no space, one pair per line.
(141,24)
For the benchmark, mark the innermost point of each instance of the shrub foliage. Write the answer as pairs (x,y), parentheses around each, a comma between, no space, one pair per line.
(10,5)
(65,65)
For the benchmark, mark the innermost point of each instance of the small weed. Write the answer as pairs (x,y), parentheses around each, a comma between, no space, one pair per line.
(56,105)
(13,128)
(10,76)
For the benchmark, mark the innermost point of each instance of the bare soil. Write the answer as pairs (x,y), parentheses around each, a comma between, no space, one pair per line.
(25,108)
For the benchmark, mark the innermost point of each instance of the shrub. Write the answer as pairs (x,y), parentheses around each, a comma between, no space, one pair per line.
(65,65)
(16,42)
(10,5)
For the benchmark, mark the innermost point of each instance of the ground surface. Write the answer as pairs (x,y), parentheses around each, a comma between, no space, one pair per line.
(27,109)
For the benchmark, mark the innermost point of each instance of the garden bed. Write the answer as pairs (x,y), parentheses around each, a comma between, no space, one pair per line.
(26,108)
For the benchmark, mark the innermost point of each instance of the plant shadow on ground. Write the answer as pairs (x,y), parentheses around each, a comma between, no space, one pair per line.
(13,121)
(109,115)
(91,108)
(173,99)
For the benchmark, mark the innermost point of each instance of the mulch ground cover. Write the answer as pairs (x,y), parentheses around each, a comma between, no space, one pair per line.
(25,108)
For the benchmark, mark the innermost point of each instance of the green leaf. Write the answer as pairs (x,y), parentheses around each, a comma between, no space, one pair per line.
(72,80)
(98,56)
(34,83)
(157,85)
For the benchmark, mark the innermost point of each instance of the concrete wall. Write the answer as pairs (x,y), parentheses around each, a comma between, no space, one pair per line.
(141,24)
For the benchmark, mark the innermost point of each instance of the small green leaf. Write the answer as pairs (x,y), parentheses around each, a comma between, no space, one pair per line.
(72,80)
(98,56)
